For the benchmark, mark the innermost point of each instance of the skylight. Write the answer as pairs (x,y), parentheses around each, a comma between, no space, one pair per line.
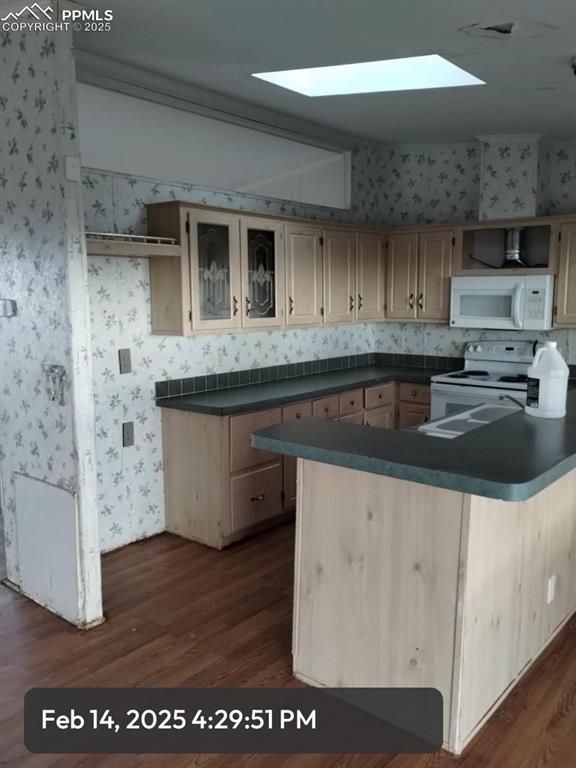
(413,73)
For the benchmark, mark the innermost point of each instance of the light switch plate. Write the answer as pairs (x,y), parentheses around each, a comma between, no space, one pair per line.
(124,361)
(8,308)
(128,434)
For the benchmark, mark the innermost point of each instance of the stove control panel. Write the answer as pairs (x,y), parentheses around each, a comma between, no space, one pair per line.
(501,351)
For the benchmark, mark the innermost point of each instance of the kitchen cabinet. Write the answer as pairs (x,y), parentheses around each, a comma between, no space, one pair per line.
(214,269)
(262,263)
(370,277)
(565,308)
(401,275)
(419,267)
(413,404)
(303,275)
(219,489)
(383,417)
(339,270)
(434,272)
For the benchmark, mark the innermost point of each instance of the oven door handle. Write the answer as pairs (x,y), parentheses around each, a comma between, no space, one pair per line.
(517,306)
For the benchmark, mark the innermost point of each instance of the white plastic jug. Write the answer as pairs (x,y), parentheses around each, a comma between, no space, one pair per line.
(547,383)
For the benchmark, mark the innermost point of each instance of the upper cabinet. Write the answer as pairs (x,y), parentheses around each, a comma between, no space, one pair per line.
(339,254)
(565,309)
(370,277)
(402,275)
(303,275)
(214,269)
(419,268)
(262,262)
(434,273)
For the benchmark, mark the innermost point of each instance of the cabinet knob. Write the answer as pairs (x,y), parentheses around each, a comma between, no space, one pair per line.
(381,395)
(414,393)
(327,409)
(352,402)
(298,415)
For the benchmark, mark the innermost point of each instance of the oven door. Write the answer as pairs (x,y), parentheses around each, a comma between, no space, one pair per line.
(447,399)
(488,302)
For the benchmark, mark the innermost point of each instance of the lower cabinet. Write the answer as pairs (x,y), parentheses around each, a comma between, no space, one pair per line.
(255,496)
(383,417)
(219,489)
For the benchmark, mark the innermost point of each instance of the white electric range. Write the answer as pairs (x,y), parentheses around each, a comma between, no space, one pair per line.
(495,372)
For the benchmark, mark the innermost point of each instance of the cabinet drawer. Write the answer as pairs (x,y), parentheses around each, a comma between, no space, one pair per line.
(242,455)
(383,417)
(256,496)
(380,395)
(352,401)
(297,411)
(414,393)
(325,408)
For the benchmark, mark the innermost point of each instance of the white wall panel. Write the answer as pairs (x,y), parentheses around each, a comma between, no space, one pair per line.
(129,135)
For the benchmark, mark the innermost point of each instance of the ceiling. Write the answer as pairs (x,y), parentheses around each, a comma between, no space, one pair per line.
(217,44)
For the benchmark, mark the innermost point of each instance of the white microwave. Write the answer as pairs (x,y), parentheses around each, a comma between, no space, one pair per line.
(523,303)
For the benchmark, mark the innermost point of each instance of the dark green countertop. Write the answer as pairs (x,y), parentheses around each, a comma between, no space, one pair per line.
(511,459)
(255,397)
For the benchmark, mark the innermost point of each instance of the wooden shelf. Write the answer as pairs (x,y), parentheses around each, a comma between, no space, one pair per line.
(131,246)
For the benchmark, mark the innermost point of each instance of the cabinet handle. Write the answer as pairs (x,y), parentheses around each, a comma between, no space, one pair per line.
(327,409)
(421,301)
(235,302)
(411,301)
(352,402)
(248,307)
(360,301)
(258,498)
(414,393)
(298,415)
(351,304)
(381,396)
(291,307)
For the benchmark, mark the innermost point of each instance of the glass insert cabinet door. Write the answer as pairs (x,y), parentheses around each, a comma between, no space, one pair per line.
(215,267)
(262,272)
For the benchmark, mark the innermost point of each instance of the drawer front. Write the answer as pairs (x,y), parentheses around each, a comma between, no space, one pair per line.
(352,401)
(242,455)
(353,418)
(256,496)
(380,395)
(383,417)
(325,408)
(297,411)
(414,393)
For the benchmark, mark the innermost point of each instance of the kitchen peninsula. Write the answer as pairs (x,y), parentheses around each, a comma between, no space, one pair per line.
(422,561)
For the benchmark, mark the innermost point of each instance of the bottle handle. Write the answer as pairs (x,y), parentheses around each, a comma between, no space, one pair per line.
(538,355)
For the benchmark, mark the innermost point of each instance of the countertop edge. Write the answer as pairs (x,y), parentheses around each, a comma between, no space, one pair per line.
(513,492)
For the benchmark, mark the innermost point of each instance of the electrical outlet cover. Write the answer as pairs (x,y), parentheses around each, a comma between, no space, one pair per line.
(128,434)
(124,361)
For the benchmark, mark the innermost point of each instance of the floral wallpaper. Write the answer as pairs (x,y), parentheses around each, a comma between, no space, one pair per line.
(417,183)
(557,178)
(509,177)
(43,267)
(430,339)
(130,480)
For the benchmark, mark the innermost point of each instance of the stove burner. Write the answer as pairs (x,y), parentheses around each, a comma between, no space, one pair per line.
(521,378)
(468,374)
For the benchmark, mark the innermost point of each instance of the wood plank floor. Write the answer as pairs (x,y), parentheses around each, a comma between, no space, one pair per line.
(180,614)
